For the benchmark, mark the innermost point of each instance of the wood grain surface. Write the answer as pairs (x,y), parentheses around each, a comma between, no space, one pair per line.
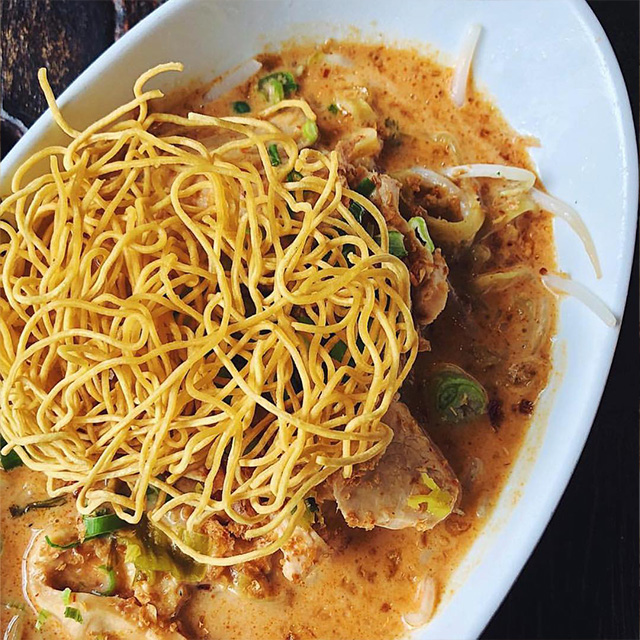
(582,579)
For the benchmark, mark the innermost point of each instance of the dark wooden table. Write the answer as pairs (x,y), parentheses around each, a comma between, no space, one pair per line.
(582,579)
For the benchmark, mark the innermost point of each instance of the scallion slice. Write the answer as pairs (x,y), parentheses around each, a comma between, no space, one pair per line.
(110,588)
(283,78)
(310,131)
(419,225)
(152,494)
(333,108)
(366,187)
(11,460)
(457,396)
(73,613)
(277,85)
(311,504)
(396,244)
(357,210)
(96,526)
(294,176)
(240,106)
(66,596)
(42,618)
(274,156)
(438,501)
(71,545)
(338,350)
(273,91)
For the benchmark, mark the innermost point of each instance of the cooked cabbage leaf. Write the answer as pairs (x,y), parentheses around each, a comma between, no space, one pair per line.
(150,550)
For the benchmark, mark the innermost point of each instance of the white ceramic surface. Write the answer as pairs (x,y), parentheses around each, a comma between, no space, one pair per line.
(553,74)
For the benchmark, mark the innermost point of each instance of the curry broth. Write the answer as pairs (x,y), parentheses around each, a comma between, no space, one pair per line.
(363,589)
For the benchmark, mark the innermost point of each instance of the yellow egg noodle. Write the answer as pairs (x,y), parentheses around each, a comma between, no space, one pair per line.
(186,316)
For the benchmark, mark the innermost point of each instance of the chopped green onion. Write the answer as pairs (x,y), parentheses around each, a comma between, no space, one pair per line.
(152,490)
(396,244)
(419,225)
(357,210)
(240,106)
(366,187)
(294,176)
(73,613)
(310,131)
(273,91)
(95,526)
(333,108)
(283,78)
(347,250)
(439,502)
(274,156)
(17,511)
(42,618)
(338,350)
(110,589)
(456,395)
(277,85)
(311,504)
(71,545)
(66,596)
(11,460)
(311,509)
(152,494)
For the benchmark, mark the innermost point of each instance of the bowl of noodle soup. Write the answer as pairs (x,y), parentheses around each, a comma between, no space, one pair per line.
(280,311)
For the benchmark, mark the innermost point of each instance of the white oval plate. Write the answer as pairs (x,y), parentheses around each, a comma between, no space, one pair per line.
(553,74)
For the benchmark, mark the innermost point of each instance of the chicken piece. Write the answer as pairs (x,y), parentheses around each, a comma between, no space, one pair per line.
(428,271)
(301,553)
(394,494)
(164,592)
(79,567)
(119,618)
(303,550)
